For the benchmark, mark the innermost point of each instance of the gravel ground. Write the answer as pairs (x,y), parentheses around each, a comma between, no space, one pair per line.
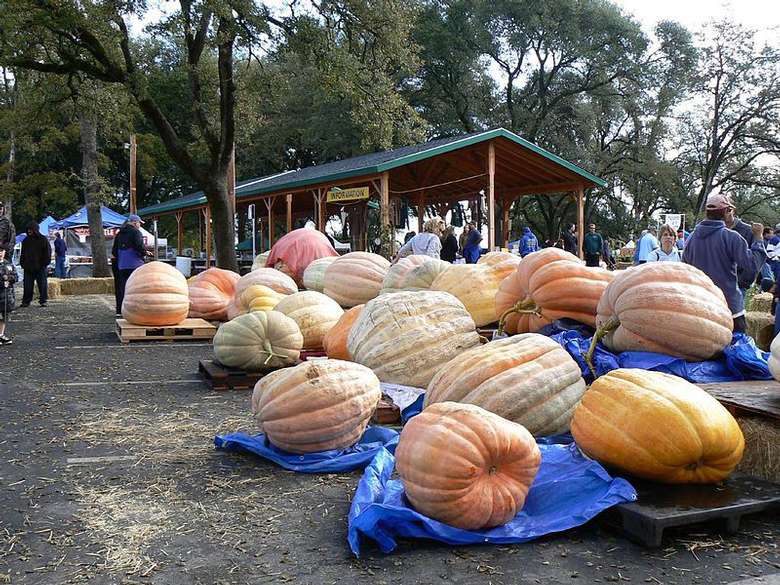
(169,509)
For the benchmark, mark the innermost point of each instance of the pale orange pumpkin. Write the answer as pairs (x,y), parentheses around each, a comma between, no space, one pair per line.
(316,405)
(465,466)
(658,427)
(504,262)
(529,379)
(355,278)
(269,277)
(396,274)
(314,313)
(547,285)
(156,294)
(211,292)
(314,274)
(671,308)
(475,285)
(334,342)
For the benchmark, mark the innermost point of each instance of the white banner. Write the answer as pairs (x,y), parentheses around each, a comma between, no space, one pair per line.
(675,220)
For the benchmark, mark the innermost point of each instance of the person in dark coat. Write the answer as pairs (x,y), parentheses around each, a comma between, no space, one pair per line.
(7,294)
(449,244)
(35,259)
(570,243)
(471,249)
(7,233)
(593,247)
(128,249)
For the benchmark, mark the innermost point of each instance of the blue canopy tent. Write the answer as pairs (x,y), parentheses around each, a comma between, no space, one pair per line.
(111,219)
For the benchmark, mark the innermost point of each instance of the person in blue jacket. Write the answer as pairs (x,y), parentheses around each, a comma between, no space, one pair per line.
(128,249)
(720,252)
(528,242)
(471,249)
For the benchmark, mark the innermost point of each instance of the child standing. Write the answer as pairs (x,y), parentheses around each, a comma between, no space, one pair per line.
(7,295)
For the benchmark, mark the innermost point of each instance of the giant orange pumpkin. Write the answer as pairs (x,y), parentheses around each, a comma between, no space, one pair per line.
(658,427)
(465,466)
(294,251)
(355,278)
(156,294)
(211,292)
(665,307)
(529,379)
(334,342)
(316,406)
(547,285)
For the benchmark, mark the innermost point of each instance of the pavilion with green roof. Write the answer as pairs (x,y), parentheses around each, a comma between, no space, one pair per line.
(497,163)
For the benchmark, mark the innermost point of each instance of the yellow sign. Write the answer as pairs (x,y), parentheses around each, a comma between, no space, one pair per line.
(347,194)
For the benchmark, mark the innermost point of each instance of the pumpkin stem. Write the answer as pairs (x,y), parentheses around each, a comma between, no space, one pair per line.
(271,355)
(607,327)
(526,306)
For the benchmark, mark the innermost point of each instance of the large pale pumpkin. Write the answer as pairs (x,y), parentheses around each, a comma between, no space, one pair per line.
(334,342)
(211,292)
(547,285)
(774,358)
(394,278)
(259,298)
(355,278)
(665,307)
(314,313)
(465,466)
(504,262)
(316,406)
(475,285)
(257,341)
(406,337)
(658,427)
(156,294)
(269,277)
(260,260)
(422,277)
(529,379)
(314,275)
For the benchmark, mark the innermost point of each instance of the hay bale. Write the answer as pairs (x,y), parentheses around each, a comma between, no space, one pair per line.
(762,447)
(761,302)
(54,287)
(87,286)
(761,327)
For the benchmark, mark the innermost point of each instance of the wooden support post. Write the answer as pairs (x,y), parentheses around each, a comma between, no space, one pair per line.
(179,233)
(580,219)
(207,220)
(491,196)
(289,212)
(384,200)
(322,216)
(506,204)
(133,181)
(269,203)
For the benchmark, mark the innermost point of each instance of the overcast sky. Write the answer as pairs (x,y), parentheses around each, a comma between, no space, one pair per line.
(759,14)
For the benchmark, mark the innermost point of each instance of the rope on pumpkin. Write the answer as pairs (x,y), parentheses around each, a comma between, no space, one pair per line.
(525,307)
(606,328)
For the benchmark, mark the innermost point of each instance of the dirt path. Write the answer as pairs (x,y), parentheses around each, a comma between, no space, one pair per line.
(166,508)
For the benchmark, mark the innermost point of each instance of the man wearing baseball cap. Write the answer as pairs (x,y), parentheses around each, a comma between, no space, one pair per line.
(129,251)
(7,233)
(720,253)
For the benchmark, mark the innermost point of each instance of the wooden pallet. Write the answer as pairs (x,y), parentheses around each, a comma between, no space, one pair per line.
(755,397)
(219,377)
(187,330)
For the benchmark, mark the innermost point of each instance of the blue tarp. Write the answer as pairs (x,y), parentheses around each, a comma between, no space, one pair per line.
(375,439)
(568,491)
(741,360)
(110,218)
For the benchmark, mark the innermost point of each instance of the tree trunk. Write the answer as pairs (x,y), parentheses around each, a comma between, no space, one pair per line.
(222,220)
(9,176)
(89,171)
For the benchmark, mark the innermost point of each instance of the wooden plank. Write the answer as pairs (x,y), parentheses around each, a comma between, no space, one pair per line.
(760,397)
(491,196)
(189,329)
